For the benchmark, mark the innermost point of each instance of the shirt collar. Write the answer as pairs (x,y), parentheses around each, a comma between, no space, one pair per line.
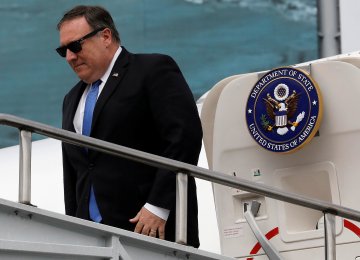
(105,77)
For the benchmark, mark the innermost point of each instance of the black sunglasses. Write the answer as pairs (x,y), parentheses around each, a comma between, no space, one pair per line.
(75,46)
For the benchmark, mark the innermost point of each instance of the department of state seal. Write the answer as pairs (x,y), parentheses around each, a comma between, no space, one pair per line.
(284,110)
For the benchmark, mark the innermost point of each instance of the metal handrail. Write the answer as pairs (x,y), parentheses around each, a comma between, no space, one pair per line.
(161,162)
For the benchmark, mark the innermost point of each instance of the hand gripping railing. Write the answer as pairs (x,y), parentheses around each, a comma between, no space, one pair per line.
(26,127)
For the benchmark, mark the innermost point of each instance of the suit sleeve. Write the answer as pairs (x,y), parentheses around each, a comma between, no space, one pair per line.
(69,176)
(174,110)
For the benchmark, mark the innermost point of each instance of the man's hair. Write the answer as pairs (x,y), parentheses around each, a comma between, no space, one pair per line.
(96,16)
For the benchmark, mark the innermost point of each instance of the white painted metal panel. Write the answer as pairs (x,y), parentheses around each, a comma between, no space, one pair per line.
(349,25)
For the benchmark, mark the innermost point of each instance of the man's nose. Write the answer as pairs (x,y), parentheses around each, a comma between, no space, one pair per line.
(70,55)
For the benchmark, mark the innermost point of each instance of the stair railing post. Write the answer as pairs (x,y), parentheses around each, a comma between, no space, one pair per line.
(25,167)
(330,242)
(181,208)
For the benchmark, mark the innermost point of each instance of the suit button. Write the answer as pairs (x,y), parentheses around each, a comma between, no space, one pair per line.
(91,166)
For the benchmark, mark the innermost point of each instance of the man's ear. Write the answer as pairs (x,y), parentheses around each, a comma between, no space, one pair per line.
(107,36)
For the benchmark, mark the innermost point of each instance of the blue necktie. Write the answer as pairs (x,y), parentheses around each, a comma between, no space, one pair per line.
(88,114)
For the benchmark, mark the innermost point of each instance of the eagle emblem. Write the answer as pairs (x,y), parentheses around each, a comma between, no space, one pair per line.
(281,110)
(284,110)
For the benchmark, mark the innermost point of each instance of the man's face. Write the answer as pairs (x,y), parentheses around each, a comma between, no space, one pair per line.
(91,62)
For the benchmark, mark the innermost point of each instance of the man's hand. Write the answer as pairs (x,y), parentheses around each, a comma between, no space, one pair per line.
(149,224)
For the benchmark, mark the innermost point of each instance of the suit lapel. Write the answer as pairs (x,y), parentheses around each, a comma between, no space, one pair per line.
(72,105)
(69,113)
(112,83)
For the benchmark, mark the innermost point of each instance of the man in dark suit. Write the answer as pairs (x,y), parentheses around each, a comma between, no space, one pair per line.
(142,101)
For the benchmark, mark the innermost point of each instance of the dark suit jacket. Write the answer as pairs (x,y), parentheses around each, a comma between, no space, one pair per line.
(147,105)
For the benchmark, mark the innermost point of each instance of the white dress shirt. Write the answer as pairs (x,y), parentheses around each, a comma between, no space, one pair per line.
(78,123)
